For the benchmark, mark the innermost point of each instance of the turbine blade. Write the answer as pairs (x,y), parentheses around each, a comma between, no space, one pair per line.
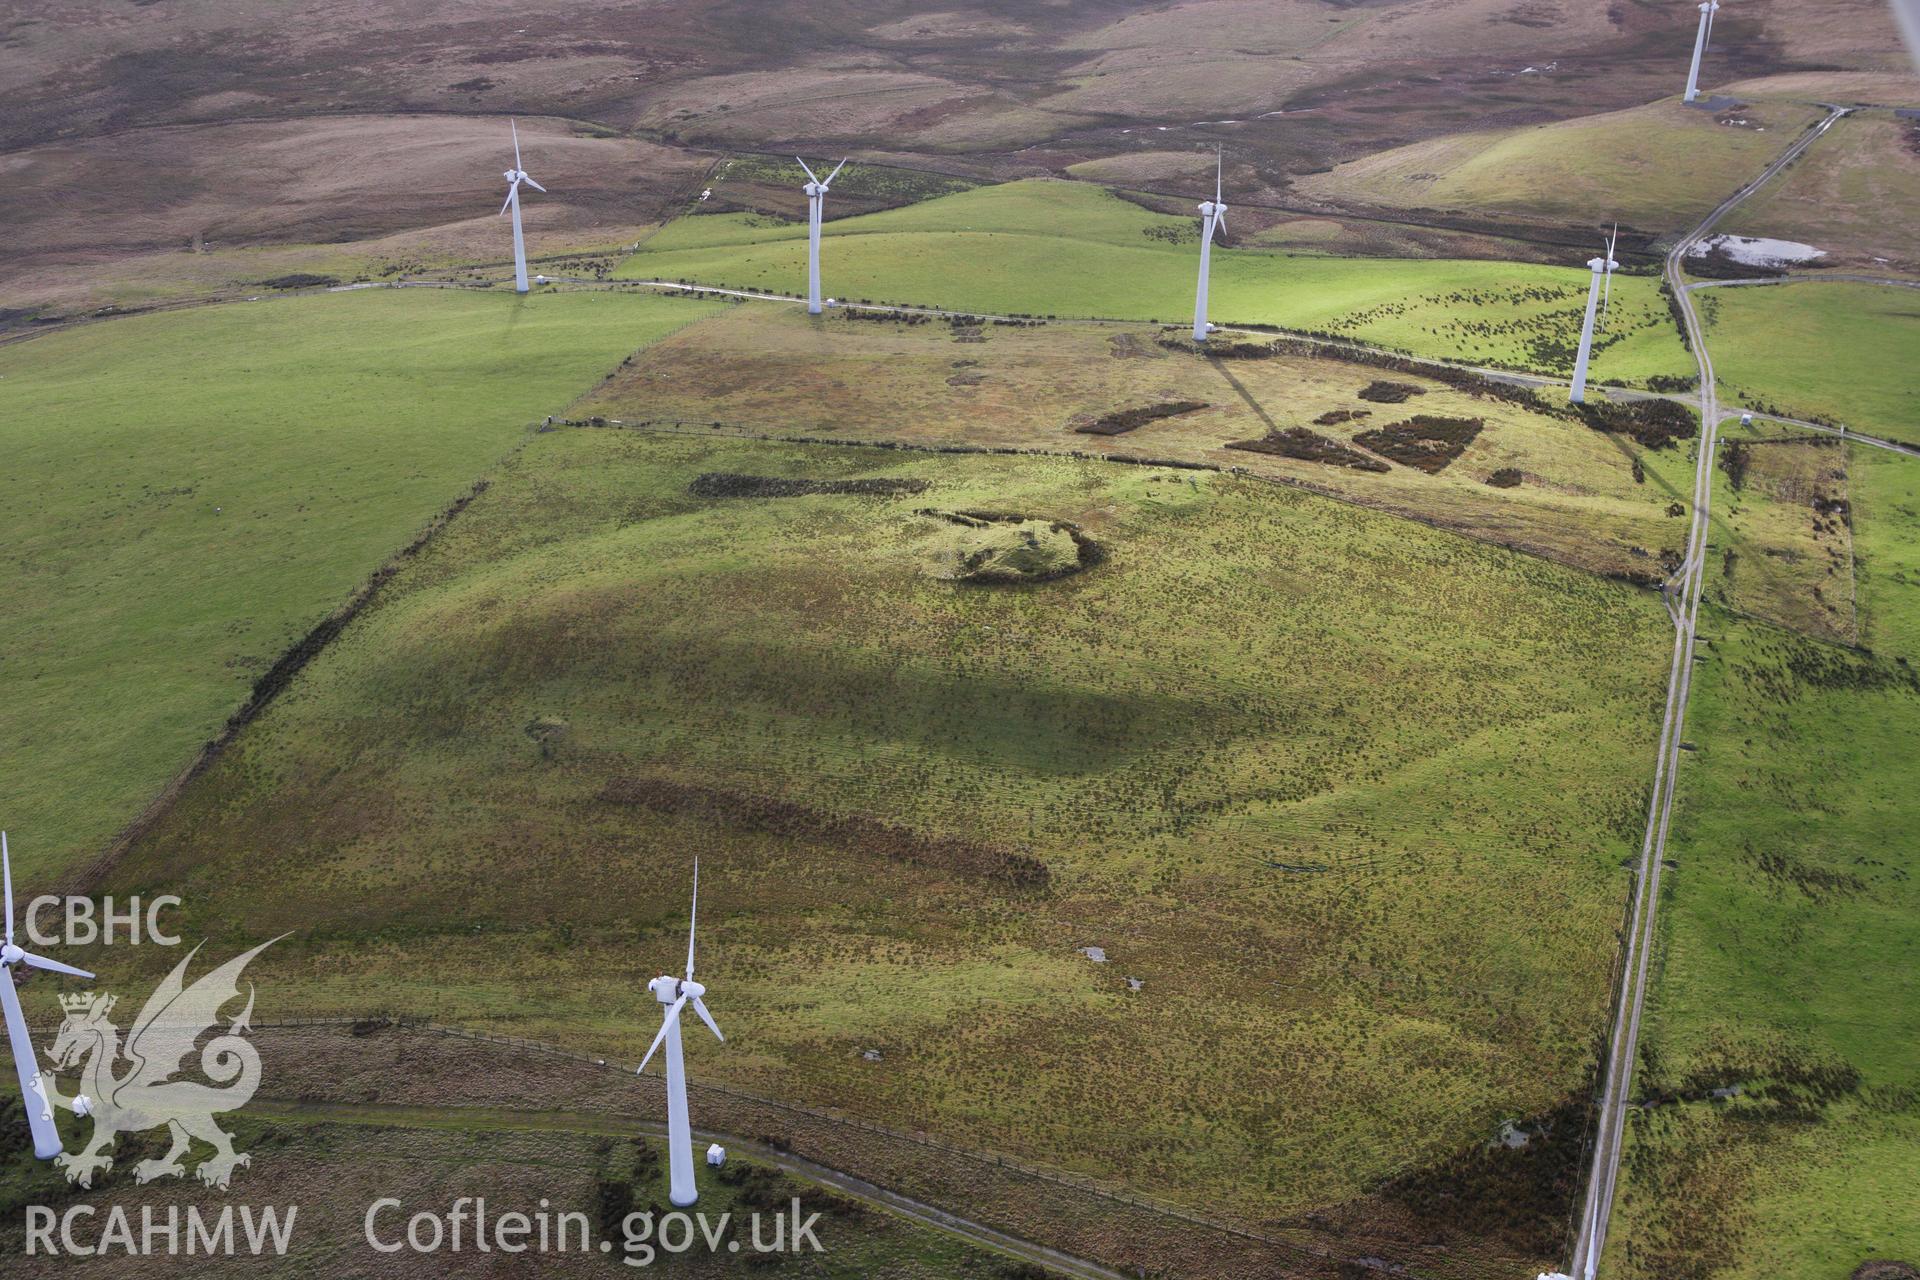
(666,1025)
(1606,303)
(1220,225)
(836,171)
(1709,37)
(46,1138)
(693,917)
(700,1007)
(512,189)
(6,868)
(53,966)
(530,182)
(515,126)
(803,164)
(1219,173)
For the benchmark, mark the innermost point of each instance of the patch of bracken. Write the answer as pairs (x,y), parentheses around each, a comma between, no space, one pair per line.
(732,484)
(1425,442)
(1122,421)
(1311,446)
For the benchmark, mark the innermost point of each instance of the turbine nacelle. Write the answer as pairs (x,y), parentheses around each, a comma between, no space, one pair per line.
(815,189)
(11,955)
(1602,264)
(667,989)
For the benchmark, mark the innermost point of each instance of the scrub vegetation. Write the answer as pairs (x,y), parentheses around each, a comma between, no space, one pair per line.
(1599,499)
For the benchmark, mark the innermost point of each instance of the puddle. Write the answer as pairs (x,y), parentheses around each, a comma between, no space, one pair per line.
(1758,251)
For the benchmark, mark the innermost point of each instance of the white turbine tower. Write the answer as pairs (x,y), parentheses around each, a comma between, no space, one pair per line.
(515,176)
(33,1094)
(1603,268)
(1213,218)
(676,994)
(816,190)
(1700,38)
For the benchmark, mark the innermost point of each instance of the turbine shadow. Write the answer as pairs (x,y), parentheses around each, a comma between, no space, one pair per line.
(1245,394)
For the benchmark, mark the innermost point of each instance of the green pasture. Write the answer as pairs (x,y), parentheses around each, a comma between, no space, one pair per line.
(1787,972)
(1886,541)
(1840,352)
(1059,248)
(187,493)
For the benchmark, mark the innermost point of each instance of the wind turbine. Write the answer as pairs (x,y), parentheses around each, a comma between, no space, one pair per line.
(676,994)
(1213,217)
(1603,268)
(1700,38)
(816,190)
(46,1138)
(515,176)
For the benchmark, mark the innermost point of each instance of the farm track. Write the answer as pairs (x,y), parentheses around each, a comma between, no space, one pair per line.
(501,1120)
(1682,593)
(1889,281)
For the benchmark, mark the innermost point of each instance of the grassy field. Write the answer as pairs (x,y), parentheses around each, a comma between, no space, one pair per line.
(1657,168)
(1787,971)
(1788,958)
(1786,545)
(1271,747)
(1886,495)
(1044,247)
(1842,352)
(1597,501)
(1846,196)
(190,492)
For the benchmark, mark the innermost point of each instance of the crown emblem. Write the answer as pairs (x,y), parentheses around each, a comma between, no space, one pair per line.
(84,1001)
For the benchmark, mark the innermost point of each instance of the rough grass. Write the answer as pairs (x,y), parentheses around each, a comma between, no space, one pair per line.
(1044,247)
(1658,168)
(1787,969)
(1789,958)
(1272,747)
(1844,195)
(1841,352)
(334,1159)
(772,370)
(188,493)
(1784,538)
(1886,501)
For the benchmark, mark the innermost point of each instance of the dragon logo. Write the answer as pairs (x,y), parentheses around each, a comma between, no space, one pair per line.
(146,1095)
